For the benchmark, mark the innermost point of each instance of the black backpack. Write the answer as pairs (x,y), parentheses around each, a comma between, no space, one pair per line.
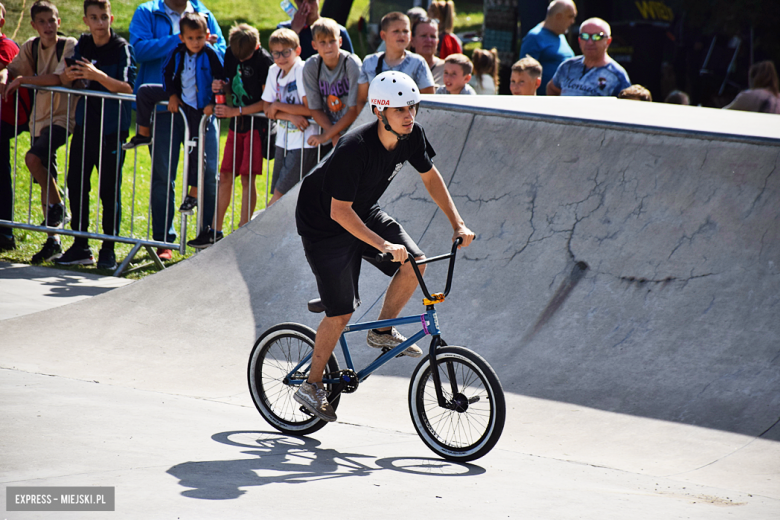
(36,43)
(379,62)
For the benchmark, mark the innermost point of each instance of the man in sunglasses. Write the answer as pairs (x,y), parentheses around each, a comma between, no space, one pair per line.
(594,73)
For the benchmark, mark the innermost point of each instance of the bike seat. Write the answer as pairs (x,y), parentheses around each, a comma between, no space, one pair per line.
(316,306)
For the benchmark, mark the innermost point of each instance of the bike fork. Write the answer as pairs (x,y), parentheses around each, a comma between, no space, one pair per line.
(436,342)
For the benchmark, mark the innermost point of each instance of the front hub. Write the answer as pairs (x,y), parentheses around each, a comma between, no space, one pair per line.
(460,403)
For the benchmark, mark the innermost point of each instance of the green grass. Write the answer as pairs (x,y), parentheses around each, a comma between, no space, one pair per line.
(264,15)
(134,218)
(469,16)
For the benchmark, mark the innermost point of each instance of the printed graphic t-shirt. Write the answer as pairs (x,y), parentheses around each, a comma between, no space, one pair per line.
(289,89)
(359,170)
(247,79)
(337,88)
(574,79)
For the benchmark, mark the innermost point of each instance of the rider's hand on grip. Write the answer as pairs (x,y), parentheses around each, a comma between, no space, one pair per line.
(397,252)
(465,235)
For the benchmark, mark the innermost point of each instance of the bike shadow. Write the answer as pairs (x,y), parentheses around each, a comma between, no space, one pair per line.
(285,459)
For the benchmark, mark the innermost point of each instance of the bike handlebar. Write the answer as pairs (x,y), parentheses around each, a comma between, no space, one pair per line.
(386,257)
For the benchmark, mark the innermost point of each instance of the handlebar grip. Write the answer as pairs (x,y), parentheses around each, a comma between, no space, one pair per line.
(458,241)
(384,257)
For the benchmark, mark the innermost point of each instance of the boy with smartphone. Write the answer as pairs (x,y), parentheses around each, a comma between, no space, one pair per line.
(106,63)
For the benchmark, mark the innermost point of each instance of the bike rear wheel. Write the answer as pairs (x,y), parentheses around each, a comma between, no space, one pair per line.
(473,421)
(275,354)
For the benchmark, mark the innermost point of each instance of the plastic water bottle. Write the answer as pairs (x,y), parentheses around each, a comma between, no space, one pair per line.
(289,8)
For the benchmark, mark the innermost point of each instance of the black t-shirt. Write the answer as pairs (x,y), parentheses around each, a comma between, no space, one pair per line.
(247,79)
(359,170)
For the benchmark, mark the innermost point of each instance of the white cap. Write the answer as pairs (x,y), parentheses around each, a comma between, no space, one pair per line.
(393,89)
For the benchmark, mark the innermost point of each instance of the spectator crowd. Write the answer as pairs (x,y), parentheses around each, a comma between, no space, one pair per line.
(307,81)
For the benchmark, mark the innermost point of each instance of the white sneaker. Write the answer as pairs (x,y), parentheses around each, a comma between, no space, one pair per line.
(391,341)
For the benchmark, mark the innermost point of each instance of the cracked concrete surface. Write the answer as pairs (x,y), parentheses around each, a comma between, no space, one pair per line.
(674,321)
(675,234)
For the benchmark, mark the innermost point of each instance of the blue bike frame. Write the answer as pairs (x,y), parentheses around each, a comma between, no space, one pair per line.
(430,327)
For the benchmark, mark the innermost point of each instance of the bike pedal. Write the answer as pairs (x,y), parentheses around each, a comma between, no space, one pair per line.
(306,411)
(385,350)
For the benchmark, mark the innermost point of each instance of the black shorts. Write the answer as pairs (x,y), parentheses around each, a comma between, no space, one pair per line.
(45,146)
(336,261)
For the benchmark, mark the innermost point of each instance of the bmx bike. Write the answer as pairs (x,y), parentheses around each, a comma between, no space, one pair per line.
(456,401)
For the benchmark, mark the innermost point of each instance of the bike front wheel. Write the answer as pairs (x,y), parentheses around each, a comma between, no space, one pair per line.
(471,423)
(275,354)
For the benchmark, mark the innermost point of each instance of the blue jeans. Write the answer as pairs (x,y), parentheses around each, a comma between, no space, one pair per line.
(163,162)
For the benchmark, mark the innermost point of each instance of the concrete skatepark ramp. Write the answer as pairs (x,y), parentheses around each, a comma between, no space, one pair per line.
(626,269)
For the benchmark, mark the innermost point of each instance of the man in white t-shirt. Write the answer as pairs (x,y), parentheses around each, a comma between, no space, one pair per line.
(285,100)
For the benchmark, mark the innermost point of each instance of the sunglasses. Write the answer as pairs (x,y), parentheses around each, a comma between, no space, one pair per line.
(283,54)
(592,36)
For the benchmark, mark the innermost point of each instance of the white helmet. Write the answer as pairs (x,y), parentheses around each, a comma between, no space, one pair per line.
(393,89)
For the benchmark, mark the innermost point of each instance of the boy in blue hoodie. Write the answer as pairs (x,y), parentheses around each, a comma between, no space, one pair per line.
(187,77)
(154,34)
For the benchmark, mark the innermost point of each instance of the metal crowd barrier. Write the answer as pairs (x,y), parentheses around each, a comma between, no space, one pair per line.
(271,143)
(137,239)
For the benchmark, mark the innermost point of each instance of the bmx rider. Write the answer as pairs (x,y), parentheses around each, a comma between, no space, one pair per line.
(340,222)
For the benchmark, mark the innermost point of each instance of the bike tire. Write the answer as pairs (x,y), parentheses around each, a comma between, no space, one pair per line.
(463,435)
(276,352)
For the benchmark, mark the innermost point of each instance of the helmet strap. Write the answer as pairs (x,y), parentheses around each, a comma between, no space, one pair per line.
(400,137)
